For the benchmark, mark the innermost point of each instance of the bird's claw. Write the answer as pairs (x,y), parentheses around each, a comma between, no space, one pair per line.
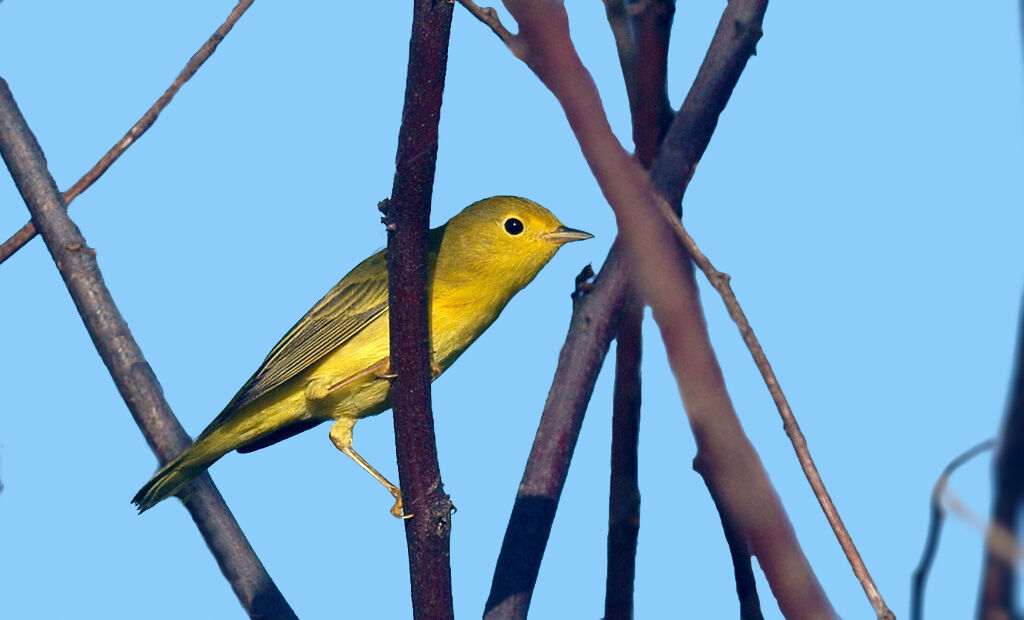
(396,510)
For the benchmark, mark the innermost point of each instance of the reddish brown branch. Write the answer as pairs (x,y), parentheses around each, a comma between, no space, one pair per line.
(28,231)
(658,262)
(131,373)
(596,317)
(720,281)
(407,216)
(998,578)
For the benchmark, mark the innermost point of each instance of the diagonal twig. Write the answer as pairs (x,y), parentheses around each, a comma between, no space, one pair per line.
(28,231)
(721,282)
(131,373)
(407,215)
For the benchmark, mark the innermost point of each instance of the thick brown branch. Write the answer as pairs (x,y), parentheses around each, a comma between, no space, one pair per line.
(28,231)
(935,520)
(998,578)
(407,216)
(132,375)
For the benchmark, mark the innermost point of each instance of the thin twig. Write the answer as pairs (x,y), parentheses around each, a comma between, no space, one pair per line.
(28,231)
(720,281)
(407,215)
(131,373)
(488,16)
(935,521)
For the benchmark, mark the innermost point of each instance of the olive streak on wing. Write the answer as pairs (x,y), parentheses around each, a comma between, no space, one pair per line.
(360,298)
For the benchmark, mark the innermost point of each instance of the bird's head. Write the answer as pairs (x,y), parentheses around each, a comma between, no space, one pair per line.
(503,242)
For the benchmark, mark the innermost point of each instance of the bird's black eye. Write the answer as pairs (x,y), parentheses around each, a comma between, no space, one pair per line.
(513,226)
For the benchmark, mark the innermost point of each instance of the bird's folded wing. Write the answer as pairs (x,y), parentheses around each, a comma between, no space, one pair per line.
(360,298)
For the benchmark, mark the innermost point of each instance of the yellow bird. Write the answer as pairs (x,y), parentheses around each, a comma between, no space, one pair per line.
(334,364)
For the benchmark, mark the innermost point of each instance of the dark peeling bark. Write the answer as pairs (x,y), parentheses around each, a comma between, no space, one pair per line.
(131,373)
(407,215)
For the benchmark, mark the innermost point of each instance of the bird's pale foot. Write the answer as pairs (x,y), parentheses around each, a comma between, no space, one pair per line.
(397,509)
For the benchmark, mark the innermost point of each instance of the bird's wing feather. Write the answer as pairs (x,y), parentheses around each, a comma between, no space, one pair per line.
(359,299)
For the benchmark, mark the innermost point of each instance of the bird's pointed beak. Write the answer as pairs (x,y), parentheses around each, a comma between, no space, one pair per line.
(564,234)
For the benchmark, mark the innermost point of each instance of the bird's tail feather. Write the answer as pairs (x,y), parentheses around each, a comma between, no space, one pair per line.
(175,475)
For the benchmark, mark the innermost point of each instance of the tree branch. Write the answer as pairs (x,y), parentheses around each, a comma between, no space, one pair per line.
(720,281)
(658,263)
(651,24)
(407,215)
(131,373)
(624,490)
(28,231)
(996,601)
(596,316)
(648,129)
(935,520)
(595,319)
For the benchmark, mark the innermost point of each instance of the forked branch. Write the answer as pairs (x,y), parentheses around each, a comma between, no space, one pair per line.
(660,269)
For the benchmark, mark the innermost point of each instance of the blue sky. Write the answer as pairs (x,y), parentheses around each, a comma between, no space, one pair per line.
(862,188)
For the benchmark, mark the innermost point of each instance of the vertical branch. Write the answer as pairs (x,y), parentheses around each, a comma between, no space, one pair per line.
(998,576)
(651,24)
(595,319)
(407,215)
(624,490)
(28,231)
(641,39)
(131,373)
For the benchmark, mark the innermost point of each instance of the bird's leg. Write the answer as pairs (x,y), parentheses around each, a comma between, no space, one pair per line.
(385,371)
(341,435)
(318,389)
(435,370)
